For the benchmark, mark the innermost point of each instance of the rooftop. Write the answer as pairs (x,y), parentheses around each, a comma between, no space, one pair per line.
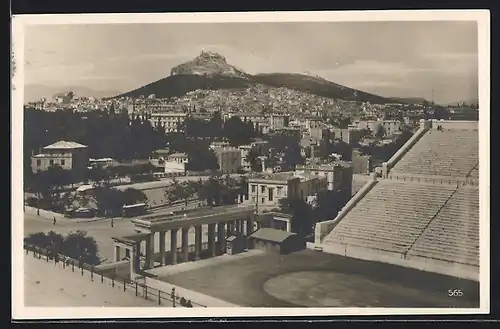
(270,234)
(282,176)
(64,145)
(197,213)
(178,155)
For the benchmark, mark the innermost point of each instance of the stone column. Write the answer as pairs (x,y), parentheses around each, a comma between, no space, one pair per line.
(185,244)
(197,242)
(136,257)
(211,240)
(242,227)
(250,222)
(117,254)
(229,229)
(150,251)
(173,245)
(250,230)
(221,237)
(162,247)
(237,227)
(132,264)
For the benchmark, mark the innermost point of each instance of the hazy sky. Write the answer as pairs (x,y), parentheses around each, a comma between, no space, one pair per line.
(406,59)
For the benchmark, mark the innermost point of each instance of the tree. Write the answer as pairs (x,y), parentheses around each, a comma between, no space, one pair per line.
(238,132)
(47,186)
(301,212)
(81,247)
(253,159)
(77,245)
(99,176)
(176,191)
(379,130)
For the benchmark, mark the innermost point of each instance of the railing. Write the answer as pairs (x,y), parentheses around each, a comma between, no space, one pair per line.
(100,276)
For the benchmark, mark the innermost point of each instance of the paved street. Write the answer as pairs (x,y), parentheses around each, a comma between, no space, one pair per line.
(100,229)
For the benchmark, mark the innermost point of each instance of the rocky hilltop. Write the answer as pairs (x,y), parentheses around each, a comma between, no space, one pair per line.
(208,64)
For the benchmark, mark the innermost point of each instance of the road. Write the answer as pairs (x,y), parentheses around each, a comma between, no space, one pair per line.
(99,228)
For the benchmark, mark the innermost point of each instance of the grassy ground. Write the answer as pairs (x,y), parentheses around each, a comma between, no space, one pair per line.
(314,279)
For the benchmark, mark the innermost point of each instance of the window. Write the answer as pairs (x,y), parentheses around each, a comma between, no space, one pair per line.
(38,163)
(279,190)
(254,187)
(63,162)
(253,199)
(271,194)
(263,200)
(263,188)
(51,162)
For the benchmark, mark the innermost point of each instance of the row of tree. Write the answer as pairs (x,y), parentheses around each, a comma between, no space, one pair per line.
(76,245)
(215,191)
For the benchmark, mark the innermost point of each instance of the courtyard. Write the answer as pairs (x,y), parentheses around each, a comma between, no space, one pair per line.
(314,279)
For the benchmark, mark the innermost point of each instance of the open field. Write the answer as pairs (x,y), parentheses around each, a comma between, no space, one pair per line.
(314,279)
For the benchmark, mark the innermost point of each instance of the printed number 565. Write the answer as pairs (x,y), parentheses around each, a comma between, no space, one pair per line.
(455,293)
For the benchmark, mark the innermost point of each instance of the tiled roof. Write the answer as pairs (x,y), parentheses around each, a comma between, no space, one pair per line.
(65,145)
(270,234)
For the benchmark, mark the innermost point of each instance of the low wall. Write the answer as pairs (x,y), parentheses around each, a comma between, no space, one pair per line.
(387,166)
(116,269)
(415,262)
(322,229)
(452,124)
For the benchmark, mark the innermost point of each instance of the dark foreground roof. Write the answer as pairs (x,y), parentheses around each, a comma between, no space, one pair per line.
(270,234)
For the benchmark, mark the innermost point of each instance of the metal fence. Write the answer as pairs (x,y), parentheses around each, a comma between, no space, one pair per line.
(99,276)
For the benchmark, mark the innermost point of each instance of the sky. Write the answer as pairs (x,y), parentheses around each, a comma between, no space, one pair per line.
(399,59)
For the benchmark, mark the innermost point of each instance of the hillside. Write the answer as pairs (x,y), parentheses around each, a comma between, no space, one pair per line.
(210,71)
(317,86)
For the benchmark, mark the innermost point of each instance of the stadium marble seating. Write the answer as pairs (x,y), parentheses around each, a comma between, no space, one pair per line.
(391,216)
(454,233)
(421,221)
(442,153)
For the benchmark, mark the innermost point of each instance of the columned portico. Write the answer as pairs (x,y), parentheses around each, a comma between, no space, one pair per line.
(173,245)
(185,244)
(232,216)
(130,247)
(197,243)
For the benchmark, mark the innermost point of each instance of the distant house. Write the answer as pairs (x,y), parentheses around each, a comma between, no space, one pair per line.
(68,155)
(176,163)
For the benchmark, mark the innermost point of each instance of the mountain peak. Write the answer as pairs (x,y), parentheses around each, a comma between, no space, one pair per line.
(208,63)
(210,56)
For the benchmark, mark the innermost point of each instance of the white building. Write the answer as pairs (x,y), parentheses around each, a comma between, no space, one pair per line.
(176,163)
(170,121)
(267,190)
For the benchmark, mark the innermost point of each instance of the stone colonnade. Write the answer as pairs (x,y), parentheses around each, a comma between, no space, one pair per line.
(216,232)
